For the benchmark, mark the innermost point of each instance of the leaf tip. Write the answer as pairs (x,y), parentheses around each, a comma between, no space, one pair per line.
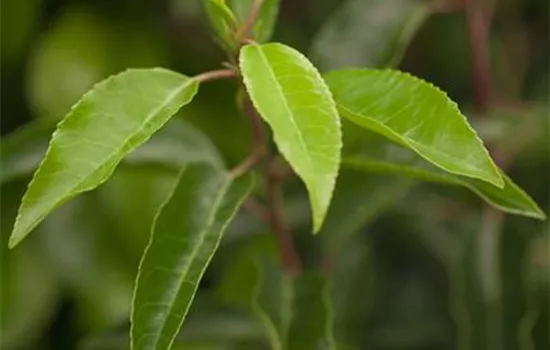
(15,239)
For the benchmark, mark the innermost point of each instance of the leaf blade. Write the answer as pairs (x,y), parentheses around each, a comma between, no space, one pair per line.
(223,22)
(208,199)
(510,199)
(295,310)
(306,129)
(112,119)
(415,114)
(311,324)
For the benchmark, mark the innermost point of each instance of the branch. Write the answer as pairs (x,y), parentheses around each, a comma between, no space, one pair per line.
(216,75)
(289,256)
(478,34)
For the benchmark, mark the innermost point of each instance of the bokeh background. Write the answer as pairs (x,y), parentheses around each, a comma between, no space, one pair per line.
(428,267)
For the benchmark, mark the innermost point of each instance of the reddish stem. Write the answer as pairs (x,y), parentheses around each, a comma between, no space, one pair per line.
(478,34)
(216,75)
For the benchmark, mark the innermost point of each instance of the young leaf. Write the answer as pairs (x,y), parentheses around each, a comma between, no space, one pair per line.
(186,233)
(368,33)
(291,96)
(415,114)
(378,155)
(111,120)
(223,22)
(265,22)
(295,311)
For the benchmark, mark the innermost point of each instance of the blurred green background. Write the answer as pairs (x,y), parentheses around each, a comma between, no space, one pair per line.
(416,266)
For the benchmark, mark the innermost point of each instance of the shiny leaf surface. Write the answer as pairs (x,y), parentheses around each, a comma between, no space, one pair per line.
(186,233)
(415,114)
(293,99)
(111,120)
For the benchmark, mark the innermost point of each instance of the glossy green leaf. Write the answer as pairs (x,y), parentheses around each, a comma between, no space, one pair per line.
(293,99)
(415,114)
(111,120)
(370,33)
(266,20)
(223,22)
(176,144)
(295,310)
(379,155)
(186,233)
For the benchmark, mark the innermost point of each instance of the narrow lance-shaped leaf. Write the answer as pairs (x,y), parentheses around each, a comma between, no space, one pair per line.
(311,323)
(381,156)
(295,310)
(186,233)
(415,114)
(111,120)
(176,144)
(223,22)
(293,99)
(370,33)
(265,21)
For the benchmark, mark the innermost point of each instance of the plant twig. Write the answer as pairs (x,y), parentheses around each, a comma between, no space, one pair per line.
(257,209)
(275,217)
(246,164)
(251,20)
(478,37)
(216,75)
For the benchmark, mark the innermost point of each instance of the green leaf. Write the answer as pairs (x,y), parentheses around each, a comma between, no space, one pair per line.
(369,33)
(415,114)
(382,156)
(295,310)
(175,145)
(223,22)
(266,20)
(293,99)
(23,149)
(311,322)
(186,233)
(111,120)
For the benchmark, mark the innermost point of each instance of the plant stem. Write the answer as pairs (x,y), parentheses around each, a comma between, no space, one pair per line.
(274,215)
(216,75)
(251,20)
(478,35)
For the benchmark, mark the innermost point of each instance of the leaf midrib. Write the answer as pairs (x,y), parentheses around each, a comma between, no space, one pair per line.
(75,187)
(414,145)
(287,107)
(194,252)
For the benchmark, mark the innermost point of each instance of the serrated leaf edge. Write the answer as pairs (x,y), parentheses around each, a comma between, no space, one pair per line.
(16,239)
